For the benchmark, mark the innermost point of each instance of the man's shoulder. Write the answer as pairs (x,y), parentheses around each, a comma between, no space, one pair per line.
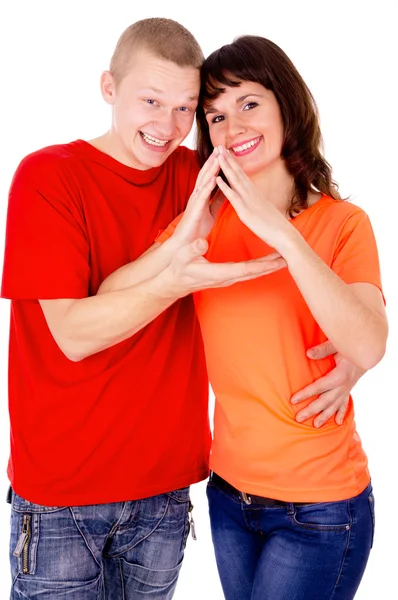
(184,156)
(47,159)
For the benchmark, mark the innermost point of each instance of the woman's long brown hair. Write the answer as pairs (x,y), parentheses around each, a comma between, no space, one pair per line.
(257,59)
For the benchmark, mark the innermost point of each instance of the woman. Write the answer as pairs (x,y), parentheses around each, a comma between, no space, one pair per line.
(291,507)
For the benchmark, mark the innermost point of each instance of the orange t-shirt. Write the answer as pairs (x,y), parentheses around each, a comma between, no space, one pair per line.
(256,334)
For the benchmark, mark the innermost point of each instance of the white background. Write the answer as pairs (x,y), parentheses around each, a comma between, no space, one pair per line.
(52,54)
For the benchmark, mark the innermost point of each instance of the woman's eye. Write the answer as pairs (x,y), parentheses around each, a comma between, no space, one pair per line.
(250,105)
(217,119)
(150,101)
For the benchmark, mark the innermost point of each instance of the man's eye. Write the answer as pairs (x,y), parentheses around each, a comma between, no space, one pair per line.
(183,109)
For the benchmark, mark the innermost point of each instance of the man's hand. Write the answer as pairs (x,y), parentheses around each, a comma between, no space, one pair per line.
(332,390)
(189,272)
(198,219)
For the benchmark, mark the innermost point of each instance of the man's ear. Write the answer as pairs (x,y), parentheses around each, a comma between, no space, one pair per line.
(108,87)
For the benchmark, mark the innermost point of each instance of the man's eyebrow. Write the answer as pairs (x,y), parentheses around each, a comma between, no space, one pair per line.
(212,110)
(159,91)
(152,89)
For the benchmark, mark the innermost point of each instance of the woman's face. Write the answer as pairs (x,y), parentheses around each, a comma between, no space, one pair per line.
(247,120)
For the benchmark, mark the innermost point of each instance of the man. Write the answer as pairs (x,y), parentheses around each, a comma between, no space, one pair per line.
(108,390)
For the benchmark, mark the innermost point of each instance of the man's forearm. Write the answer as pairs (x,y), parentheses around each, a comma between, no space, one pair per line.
(126,301)
(82,327)
(88,325)
(148,265)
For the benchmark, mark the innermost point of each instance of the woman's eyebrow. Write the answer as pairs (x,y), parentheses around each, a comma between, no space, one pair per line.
(212,110)
(242,98)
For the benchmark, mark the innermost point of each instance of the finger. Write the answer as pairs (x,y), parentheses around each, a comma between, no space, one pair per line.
(236,176)
(326,415)
(339,418)
(320,386)
(322,408)
(321,350)
(312,409)
(228,192)
(204,181)
(225,274)
(201,196)
(210,168)
(233,172)
(271,256)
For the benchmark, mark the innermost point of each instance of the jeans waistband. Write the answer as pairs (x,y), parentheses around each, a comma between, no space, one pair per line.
(250,498)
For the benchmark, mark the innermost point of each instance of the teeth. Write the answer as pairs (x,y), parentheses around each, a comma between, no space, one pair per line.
(153,141)
(245,146)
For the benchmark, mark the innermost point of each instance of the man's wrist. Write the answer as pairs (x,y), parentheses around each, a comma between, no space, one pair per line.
(170,247)
(164,286)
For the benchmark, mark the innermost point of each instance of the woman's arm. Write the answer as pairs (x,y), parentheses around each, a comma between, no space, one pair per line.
(352,316)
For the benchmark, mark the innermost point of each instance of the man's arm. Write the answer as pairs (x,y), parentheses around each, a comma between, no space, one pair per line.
(145,288)
(332,391)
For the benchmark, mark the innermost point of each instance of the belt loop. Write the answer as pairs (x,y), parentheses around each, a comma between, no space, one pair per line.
(290,508)
(246,498)
(211,476)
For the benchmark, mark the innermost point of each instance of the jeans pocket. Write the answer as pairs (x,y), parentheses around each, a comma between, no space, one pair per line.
(180,495)
(371,502)
(47,546)
(323,516)
(21,505)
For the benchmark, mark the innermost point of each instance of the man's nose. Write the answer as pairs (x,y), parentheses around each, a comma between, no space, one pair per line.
(166,124)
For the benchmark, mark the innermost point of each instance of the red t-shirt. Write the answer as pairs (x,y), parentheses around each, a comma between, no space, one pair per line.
(130,421)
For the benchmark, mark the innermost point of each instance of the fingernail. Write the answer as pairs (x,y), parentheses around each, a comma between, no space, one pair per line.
(300,418)
(216,151)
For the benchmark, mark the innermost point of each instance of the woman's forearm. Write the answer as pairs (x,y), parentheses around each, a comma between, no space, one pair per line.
(356,328)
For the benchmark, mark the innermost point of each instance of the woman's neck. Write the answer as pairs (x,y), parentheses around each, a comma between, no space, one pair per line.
(276,185)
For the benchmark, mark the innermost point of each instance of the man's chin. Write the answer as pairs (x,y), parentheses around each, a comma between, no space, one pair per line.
(156,159)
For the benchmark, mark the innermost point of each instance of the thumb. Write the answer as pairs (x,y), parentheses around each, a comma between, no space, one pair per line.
(321,350)
(199,247)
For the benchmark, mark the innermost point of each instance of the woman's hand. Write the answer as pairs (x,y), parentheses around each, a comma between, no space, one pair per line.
(255,211)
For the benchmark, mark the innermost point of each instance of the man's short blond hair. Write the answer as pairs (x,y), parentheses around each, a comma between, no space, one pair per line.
(164,37)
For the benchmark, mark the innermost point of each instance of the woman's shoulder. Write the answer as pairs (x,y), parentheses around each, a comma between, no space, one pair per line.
(338,209)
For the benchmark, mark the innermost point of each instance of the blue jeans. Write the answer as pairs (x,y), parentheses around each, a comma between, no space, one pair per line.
(117,551)
(290,551)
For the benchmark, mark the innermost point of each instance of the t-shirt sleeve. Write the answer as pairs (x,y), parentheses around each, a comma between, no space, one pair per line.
(46,249)
(356,257)
(165,234)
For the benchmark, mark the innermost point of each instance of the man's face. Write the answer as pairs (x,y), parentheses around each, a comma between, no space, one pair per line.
(153,110)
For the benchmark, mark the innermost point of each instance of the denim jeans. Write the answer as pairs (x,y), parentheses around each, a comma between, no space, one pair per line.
(313,551)
(117,551)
